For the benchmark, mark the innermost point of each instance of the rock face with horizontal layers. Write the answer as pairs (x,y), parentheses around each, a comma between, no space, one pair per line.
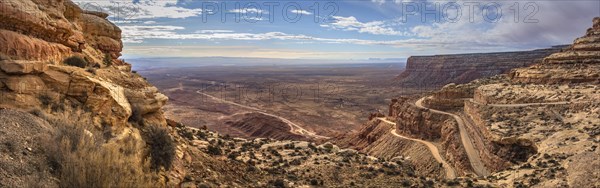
(439,70)
(35,39)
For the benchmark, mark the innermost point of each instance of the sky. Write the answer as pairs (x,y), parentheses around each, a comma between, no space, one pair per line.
(350,29)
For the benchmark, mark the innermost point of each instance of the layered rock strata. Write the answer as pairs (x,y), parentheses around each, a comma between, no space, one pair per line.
(35,39)
(439,70)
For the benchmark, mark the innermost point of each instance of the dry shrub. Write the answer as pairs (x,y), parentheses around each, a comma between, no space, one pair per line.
(82,159)
(107,60)
(76,61)
(4,57)
(161,148)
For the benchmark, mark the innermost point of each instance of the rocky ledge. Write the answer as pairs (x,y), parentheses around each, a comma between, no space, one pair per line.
(60,58)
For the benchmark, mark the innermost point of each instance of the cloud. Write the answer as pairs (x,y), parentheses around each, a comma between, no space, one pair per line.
(251,14)
(252,19)
(556,22)
(214,31)
(249,10)
(137,34)
(301,12)
(380,2)
(352,24)
(123,10)
(408,1)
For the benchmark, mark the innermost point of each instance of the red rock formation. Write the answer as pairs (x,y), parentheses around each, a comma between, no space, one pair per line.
(257,125)
(439,70)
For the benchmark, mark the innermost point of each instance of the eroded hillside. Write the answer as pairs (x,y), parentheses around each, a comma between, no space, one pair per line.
(536,126)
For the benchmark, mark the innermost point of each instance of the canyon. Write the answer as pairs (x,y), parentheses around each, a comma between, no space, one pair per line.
(75,115)
(529,127)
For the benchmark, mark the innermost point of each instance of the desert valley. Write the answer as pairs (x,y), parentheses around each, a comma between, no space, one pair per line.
(73,113)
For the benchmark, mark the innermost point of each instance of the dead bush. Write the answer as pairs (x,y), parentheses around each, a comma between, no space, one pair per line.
(76,61)
(107,60)
(161,147)
(82,159)
(45,100)
(136,116)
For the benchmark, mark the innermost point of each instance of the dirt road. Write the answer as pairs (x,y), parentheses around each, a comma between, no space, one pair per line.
(295,128)
(530,104)
(473,155)
(450,173)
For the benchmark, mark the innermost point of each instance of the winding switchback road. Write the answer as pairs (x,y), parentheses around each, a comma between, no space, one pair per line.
(530,104)
(450,173)
(473,155)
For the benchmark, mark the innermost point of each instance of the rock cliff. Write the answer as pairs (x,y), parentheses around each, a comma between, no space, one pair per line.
(531,127)
(38,38)
(439,70)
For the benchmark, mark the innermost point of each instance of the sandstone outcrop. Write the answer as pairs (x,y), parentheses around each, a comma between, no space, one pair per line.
(37,36)
(58,61)
(439,70)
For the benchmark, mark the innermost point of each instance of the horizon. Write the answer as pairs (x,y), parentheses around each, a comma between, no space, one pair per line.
(340,30)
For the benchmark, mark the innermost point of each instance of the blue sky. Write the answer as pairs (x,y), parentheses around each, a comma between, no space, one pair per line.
(357,29)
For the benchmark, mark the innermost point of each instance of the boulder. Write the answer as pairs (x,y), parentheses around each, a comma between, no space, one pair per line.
(80,86)
(57,80)
(146,100)
(23,67)
(27,84)
(108,100)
